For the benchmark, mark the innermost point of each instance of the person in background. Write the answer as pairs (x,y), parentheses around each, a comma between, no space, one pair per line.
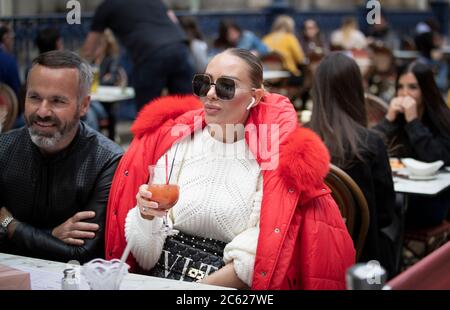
(157,46)
(348,37)
(107,62)
(282,228)
(282,40)
(339,117)
(49,39)
(428,41)
(383,32)
(9,72)
(55,173)
(315,47)
(312,40)
(417,125)
(199,48)
(107,59)
(6,38)
(231,35)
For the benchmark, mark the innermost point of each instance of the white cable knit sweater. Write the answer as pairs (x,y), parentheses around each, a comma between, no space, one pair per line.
(220,198)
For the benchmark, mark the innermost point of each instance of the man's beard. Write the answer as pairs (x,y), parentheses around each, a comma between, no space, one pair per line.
(46,140)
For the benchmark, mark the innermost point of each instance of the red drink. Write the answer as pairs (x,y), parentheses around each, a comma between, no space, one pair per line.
(166,195)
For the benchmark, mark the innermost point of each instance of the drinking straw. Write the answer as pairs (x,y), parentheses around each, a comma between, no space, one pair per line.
(173,161)
(123,258)
(125,253)
(167,168)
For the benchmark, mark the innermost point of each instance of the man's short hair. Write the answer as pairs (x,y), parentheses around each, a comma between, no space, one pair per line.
(68,59)
(47,38)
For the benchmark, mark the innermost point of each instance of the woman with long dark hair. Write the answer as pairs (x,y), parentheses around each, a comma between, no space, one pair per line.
(418,120)
(417,125)
(339,117)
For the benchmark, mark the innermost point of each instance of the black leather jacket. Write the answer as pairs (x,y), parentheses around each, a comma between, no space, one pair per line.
(43,192)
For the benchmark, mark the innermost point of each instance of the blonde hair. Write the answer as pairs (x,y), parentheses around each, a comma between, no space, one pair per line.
(283,23)
(348,26)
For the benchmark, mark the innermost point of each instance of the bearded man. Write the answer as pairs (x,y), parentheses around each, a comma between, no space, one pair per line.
(56,172)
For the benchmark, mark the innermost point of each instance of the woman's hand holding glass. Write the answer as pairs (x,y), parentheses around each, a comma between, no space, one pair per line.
(147,207)
(156,198)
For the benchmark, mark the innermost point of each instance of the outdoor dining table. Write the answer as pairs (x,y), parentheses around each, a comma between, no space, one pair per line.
(275,74)
(406,184)
(109,96)
(47,275)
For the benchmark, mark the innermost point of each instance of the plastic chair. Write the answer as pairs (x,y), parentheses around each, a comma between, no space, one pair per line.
(352,204)
(9,107)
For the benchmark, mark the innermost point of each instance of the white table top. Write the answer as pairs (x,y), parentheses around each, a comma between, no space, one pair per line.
(275,74)
(402,54)
(426,187)
(113,93)
(46,275)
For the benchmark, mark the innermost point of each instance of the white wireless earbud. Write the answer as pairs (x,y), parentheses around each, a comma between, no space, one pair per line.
(251,103)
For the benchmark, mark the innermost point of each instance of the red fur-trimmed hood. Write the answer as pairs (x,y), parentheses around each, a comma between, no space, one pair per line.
(157,112)
(303,160)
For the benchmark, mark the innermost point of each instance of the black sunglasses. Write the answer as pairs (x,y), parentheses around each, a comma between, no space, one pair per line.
(225,87)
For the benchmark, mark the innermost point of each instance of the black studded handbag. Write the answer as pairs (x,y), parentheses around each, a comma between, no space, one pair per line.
(189,258)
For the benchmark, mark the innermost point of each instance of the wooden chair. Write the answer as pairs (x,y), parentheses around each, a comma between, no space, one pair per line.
(274,62)
(376,109)
(352,204)
(9,107)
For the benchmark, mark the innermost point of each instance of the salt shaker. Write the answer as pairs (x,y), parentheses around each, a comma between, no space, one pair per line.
(366,276)
(69,281)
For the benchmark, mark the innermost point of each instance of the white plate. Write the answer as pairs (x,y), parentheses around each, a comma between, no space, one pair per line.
(422,177)
(447,168)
